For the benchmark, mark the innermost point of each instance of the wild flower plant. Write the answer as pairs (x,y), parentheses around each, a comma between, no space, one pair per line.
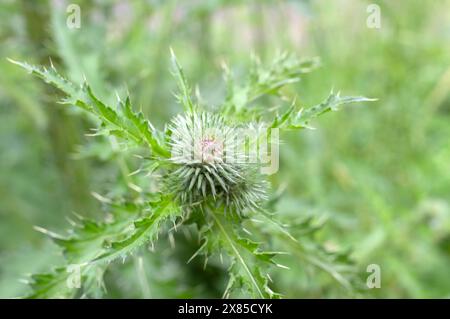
(208,181)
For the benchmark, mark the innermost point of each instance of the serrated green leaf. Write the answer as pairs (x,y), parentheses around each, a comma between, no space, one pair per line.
(265,80)
(145,230)
(129,125)
(314,254)
(50,76)
(184,96)
(50,285)
(245,254)
(301,118)
(144,128)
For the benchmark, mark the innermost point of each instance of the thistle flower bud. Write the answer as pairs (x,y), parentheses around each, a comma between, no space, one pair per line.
(211,164)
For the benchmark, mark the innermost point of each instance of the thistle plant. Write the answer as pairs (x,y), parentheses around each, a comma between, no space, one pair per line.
(209,183)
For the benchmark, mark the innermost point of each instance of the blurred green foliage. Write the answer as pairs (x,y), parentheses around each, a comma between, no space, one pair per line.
(379,174)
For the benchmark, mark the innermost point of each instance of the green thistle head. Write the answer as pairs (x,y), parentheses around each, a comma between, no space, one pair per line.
(211,165)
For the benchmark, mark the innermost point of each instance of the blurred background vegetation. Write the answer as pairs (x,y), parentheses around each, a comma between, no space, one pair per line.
(379,173)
